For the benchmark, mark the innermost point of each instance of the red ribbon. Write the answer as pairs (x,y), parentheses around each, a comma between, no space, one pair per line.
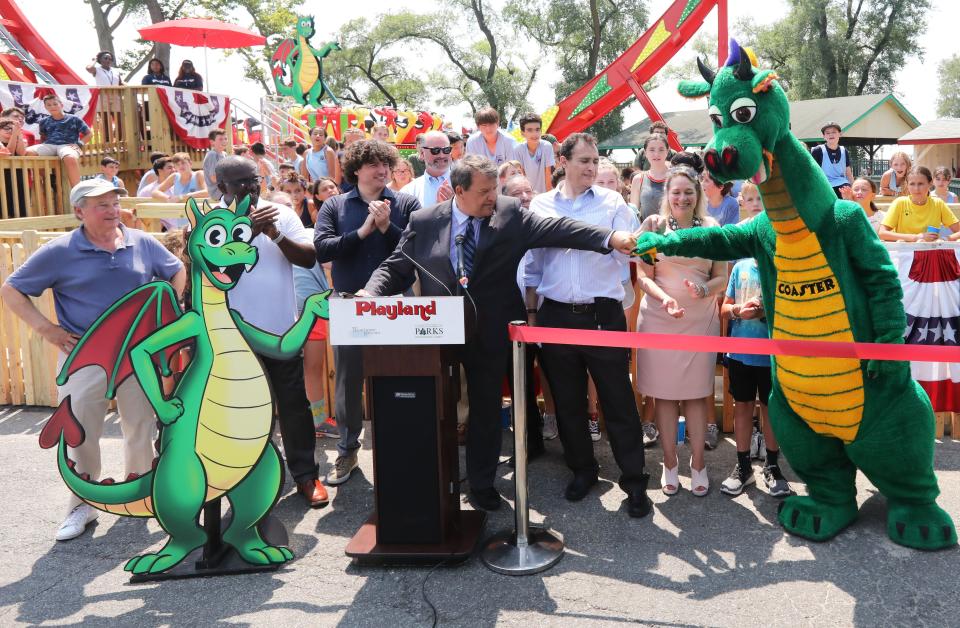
(723,344)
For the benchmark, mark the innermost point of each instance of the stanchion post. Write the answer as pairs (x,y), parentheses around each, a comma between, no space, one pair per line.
(524,550)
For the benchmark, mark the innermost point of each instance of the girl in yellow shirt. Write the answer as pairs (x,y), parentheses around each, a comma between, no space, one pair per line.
(909,217)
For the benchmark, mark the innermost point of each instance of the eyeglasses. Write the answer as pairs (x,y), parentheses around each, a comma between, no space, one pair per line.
(245,182)
(436,151)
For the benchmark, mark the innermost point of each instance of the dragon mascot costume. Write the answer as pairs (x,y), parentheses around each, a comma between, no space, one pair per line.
(215,434)
(828,278)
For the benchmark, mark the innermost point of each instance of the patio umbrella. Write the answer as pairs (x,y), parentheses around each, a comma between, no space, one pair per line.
(197,32)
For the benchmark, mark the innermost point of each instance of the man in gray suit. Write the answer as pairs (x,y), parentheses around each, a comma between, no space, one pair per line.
(496,232)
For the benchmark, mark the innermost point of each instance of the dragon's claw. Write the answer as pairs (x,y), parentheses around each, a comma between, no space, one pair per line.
(263,554)
(923,526)
(815,520)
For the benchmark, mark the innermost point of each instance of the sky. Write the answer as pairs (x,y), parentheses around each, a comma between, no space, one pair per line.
(68,25)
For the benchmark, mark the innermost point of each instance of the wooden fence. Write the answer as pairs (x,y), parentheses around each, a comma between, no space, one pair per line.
(32,186)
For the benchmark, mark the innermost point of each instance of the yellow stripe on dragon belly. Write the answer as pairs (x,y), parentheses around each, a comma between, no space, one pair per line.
(827,393)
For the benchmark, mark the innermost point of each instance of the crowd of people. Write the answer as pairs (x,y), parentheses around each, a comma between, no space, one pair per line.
(535,226)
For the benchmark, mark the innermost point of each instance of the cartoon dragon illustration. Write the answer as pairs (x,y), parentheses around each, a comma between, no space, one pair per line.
(297,67)
(824,276)
(216,426)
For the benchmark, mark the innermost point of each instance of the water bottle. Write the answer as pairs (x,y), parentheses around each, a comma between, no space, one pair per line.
(681,429)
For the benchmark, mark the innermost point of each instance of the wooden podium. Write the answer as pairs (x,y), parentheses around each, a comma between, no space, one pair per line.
(411,400)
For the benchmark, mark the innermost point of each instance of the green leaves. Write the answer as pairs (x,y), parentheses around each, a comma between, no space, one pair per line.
(948,102)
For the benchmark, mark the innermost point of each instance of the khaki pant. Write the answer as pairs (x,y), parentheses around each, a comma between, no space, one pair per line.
(87,389)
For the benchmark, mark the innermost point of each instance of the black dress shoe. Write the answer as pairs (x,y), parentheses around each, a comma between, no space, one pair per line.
(485,498)
(638,504)
(579,486)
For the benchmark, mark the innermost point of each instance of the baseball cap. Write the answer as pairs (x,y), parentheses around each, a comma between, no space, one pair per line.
(831,125)
(92,187)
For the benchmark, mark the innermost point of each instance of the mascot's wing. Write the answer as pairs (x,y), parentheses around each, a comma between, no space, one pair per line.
(129,320)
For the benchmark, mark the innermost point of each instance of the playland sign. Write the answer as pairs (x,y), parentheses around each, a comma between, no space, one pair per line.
(397,321)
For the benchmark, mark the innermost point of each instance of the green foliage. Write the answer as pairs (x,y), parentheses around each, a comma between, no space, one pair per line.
(948,101)
(582,37)
(274,20)
(372,68)
(829,48)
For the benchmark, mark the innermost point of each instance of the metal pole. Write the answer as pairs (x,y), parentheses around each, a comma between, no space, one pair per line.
(524,550)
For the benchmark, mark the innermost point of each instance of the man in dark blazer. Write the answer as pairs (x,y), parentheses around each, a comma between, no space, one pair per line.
(496,232)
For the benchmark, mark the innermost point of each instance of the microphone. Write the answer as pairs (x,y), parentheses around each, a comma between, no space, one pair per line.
(461,271)
(411,235)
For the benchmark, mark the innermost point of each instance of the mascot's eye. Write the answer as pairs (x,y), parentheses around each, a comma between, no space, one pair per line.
(216,235)
(715,116)
(743,110)
(242,233)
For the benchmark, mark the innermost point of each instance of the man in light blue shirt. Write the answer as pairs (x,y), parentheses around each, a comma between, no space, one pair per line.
(433,186)
(582,290)
(489,141)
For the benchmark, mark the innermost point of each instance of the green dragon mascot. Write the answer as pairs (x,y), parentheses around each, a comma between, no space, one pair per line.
(297,67)
(216,426)
(828,278)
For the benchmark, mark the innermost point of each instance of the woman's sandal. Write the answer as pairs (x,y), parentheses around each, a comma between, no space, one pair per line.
(670,480)
(699,482)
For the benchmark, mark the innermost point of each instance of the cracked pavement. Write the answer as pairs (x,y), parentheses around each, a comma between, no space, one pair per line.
(714,561)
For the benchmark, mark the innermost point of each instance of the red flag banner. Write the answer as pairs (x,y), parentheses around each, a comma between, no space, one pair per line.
(194,114)
(78,100)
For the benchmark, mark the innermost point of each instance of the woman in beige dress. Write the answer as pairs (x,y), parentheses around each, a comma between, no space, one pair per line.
(680,297)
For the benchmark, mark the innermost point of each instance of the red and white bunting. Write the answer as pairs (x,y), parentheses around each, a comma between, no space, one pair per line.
(194,114)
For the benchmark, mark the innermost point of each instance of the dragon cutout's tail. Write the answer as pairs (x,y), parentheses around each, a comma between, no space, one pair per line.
(130,498)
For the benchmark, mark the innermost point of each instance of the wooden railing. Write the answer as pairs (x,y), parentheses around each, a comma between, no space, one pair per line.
(32,186)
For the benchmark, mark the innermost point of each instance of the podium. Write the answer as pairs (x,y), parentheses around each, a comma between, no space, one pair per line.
(411,373)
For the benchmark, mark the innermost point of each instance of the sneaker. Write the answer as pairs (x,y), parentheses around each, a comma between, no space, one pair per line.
(328,428)
(650,434)
(713,436)
(342,469)
(737,481)
(550,430)
(76,522)
(776,483)
(593,422)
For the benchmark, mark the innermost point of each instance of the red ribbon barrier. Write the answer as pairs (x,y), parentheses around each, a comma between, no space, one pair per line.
(723,344)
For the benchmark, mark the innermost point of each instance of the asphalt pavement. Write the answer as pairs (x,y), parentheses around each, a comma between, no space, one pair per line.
(713,561)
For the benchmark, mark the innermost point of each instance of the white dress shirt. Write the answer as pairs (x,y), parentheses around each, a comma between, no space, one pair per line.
(572,276)
(425,188)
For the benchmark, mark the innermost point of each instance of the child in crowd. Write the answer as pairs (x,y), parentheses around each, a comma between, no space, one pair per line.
(723,207)
(863,192)
(535,154)
(893,182)
(109,169)
(63,135)
(19,139)
(918,217)
(941,182)
(749,377)
(508,169)
(750,204)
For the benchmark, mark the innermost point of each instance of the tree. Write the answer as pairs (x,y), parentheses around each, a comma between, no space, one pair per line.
(369,70)
(480,71)
(948,101)
(830,48)
(582,37)
(274,20)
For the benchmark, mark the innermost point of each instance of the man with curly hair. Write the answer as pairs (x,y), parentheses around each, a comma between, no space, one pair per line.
(356,231)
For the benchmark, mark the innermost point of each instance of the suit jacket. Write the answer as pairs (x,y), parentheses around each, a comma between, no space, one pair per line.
(504,239)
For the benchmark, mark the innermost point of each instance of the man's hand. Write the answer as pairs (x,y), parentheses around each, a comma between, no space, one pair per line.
(362,293)
(444,192)
(60,337)
(380,210)
(623,241)
(264,221)
(367,227)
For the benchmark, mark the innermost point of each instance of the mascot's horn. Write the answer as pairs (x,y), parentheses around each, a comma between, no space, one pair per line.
(744,70)
(706,72)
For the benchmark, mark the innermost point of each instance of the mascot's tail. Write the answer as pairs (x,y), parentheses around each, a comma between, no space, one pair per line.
(131,498)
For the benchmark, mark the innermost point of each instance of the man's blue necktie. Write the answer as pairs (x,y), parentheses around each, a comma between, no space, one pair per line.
(469,246)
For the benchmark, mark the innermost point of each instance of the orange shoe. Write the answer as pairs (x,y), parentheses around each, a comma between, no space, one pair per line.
(314,492)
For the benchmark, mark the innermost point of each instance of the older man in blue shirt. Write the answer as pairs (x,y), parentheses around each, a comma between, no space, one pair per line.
(88,269)
(356,231)
(433,186)
(583,290)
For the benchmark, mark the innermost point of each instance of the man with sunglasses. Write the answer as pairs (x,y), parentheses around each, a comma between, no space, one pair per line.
(433,186)
(265,298)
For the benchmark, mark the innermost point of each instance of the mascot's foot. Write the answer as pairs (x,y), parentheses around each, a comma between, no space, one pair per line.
(925,526)
(254,549)
(817,521)
(167,558)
